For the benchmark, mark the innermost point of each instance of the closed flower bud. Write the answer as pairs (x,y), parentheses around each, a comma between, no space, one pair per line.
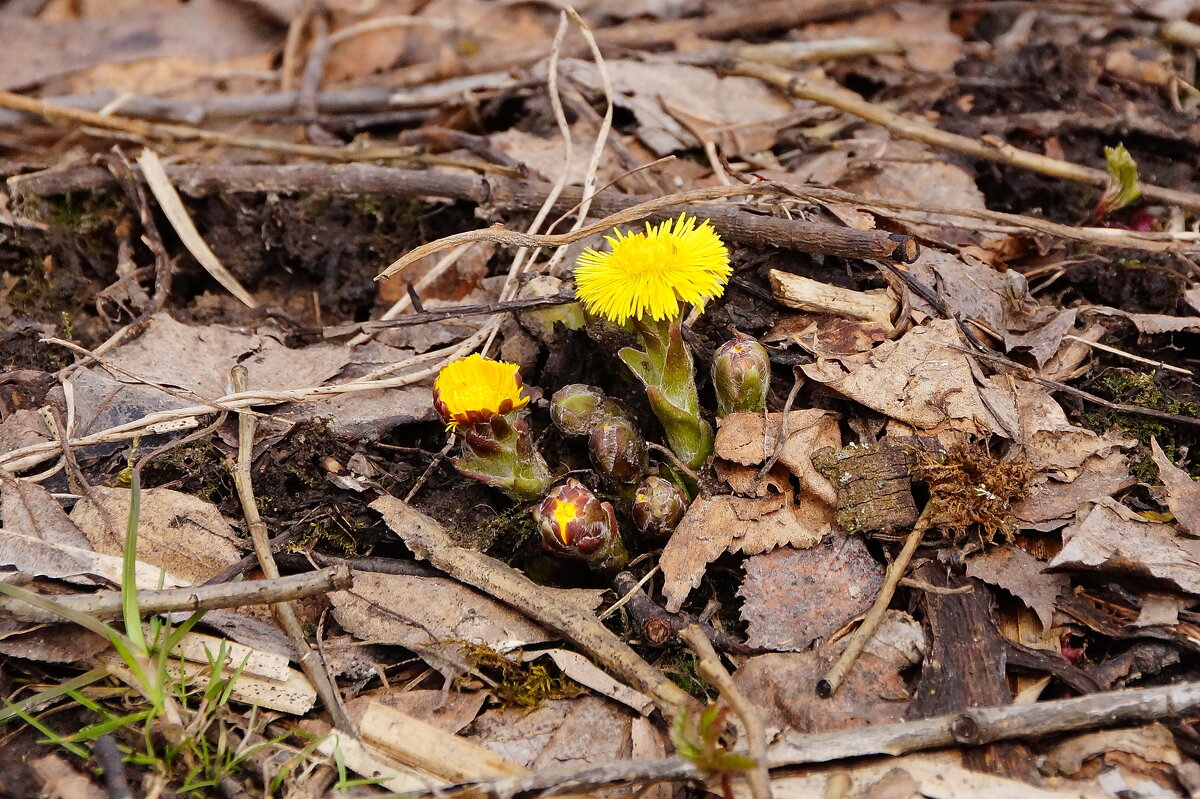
(658,505)
(618,451)
(577,409)
(741,375)
(575,524)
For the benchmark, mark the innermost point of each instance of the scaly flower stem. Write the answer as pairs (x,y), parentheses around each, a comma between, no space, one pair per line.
(664,365)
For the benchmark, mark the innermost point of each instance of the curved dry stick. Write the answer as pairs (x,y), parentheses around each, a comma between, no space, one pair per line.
(849,102)
(501,235)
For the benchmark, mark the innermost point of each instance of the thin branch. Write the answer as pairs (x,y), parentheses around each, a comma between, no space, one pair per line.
(906,128)
(862,636)
(710,668)
(107,604)
(969,728)
(310,661)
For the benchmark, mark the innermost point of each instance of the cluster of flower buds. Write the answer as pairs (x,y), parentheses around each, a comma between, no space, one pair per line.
(658,506)
(574,523)
(616,448)
(741,375)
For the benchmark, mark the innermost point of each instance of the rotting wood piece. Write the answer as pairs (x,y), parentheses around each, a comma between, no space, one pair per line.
(731,222)
(965,667)
(874,491)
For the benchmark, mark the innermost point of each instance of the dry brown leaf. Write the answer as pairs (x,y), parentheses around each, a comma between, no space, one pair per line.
(1111,538)
(49,643)
(1022,575)
(743,439)
(924,380)
(723,523)
(1053,499)
(1152,323)
(1152,744)
(793,597)
(545,156)
(26,508)
(828,336)
(177,532)
(23,428)
(783,685)
(1051,442)
(451,711)
(643,88)
(923,29)
(61,780)
(395,609)
(560,732)
(74,564)
(36,50)
(1183,493)
(213,350)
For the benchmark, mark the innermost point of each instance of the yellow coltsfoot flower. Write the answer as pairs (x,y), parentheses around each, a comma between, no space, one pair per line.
(648,275)
(645,279)
(475,388)
(482,401)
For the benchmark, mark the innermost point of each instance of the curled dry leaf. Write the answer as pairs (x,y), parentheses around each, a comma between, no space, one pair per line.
(1023,576)
(795,596)
(924,380)
(1183,493)
(26,508)
(1110,537)
(177,532)
(718,524)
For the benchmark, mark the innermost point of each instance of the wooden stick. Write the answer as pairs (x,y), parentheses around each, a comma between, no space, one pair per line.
(731,222)
(710,668)
(428,541)
(834,677)
(107,604)
(969,728)
(906,128)
(310,661)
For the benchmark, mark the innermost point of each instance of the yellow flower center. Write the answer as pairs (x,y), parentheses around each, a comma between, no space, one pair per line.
(650,273)
(476,387)
(564,514)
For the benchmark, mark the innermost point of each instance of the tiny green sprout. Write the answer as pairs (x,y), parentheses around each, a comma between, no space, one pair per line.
(698,739)
(1122,186)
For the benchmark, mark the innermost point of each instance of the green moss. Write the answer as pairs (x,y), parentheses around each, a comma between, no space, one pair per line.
(519,684)
(1143,390)
(509,535)
(197,468)
(334,535)
(681,665)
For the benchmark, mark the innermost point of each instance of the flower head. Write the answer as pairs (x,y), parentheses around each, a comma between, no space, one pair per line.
(574,523)
(475,389)
(649,274)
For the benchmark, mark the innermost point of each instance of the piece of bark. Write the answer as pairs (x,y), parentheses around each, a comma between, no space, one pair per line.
(805,294)
(965,667)
(874,490)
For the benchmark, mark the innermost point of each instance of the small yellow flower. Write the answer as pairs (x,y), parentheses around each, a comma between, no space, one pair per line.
(475,388)
(649,274)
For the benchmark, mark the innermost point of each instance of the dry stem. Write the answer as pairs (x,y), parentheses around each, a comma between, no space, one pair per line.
(861,636)
(851,103)
(310,662)
(107,604)
(710,668)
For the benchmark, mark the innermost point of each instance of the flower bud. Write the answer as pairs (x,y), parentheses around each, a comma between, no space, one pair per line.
(575,524)
(741,375)
(577,409)
(618,451)
(658,505)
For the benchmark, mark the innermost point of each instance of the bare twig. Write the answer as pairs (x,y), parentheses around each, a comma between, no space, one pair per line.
(710,668)
(310,662)
(827,685)
(851,103)
(659,626)
(107,604)
(968,728)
